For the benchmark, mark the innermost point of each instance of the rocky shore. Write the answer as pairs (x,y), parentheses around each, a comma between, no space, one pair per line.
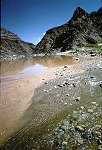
(61,108)
(66,112)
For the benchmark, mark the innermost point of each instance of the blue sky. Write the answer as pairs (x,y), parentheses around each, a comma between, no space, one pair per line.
(30,19)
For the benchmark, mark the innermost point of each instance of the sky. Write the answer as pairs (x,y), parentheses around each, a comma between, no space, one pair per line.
(30,19)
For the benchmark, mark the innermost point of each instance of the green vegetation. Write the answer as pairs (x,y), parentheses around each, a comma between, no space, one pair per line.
(91,45)
(91,48)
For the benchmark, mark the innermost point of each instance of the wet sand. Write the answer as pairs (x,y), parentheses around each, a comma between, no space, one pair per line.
(18,87)
(17,92)
(49,100)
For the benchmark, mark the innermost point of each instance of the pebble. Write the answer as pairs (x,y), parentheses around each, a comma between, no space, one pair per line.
(66,83)
(74,112)
(100,85)
(98,126)
(5,102)
(2,133)
(80,141)
(76,58)
(80,128)
(92,55)
(45,91)
(46,82)
(82,107)
(92,76)
(67,94)
(77,99)
(60,85)
(98,134)
(83,126)
(55,86)
(74,85)
(64,127)
(66,66)
(90,110)
(64,143)
(94,103)
(56,74)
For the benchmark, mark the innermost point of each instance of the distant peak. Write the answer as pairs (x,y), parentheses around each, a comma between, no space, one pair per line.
(79,8)
(78,13)
(100,11)
(6,34)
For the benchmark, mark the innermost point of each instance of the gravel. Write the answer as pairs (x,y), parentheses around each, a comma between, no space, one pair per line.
(75,105)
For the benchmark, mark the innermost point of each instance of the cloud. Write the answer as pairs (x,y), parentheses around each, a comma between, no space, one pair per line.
(44,33)
(39,39)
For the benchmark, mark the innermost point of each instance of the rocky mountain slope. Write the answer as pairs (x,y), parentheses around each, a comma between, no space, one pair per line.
(13,47)
(80,30)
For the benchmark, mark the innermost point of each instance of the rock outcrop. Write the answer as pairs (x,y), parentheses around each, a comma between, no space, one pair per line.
(80,30)
(13,47)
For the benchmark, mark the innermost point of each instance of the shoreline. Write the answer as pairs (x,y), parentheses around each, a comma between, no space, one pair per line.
(83,51)
(55,104)
(19,93)
(53,73)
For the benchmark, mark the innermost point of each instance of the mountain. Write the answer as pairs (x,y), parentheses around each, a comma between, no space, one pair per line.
(82,29)
(13,47)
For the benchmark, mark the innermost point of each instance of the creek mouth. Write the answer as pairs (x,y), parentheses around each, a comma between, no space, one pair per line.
(57,101)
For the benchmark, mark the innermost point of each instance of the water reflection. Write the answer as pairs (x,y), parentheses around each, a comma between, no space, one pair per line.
(33,69)
(33,65)
(26,71)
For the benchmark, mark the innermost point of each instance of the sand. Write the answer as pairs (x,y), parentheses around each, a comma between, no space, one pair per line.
(16,96)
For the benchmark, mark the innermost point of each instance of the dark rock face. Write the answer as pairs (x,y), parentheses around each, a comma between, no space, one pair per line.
(13,47)
(81,29)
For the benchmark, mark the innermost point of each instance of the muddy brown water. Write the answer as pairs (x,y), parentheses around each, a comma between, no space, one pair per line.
(18,78)
(33,65)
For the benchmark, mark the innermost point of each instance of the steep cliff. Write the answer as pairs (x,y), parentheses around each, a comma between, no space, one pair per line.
(81,29)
